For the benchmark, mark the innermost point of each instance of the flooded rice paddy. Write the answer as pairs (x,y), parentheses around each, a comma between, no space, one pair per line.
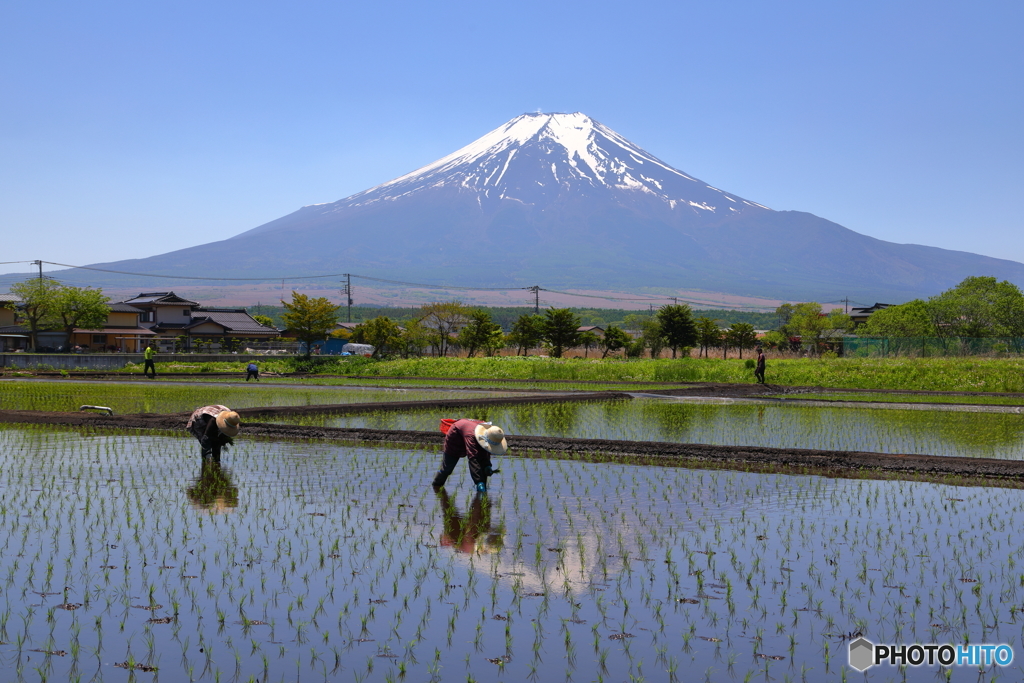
(124,559)
(926,432)
(143,397)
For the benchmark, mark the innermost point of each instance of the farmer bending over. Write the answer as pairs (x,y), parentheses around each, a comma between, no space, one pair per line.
(475,440)
(213,426)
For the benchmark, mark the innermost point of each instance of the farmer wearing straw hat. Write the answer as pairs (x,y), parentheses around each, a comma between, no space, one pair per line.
(475,440)
(214,426)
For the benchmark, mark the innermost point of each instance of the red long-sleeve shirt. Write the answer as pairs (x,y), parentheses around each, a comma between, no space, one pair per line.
(460,440)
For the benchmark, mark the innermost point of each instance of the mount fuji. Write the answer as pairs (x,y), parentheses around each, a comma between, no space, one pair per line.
(563,201)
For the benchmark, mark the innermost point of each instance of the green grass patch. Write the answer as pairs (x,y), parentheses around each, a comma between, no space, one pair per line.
(905,398)
(938,374)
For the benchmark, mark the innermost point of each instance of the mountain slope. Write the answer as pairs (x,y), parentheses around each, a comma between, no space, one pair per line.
(563,201)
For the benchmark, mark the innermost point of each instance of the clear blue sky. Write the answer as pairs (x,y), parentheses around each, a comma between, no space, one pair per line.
(131,129)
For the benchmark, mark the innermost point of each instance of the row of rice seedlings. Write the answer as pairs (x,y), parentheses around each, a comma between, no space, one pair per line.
(309,561)
(64,395)
(964,434)
(895,397)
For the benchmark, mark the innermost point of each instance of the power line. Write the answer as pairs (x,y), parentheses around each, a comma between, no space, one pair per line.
(534,289)
(663,298)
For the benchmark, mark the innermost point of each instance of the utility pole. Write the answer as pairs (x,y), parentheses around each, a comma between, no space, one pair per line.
(536,298)
(40,264)
(846,309)
(348,294)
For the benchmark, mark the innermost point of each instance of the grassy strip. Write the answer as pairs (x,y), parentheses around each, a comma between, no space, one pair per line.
(904,398)
(936,374)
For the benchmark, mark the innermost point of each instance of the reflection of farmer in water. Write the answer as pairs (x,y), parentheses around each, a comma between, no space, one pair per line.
(213,489)
(477,441)
(214,426)
(470,534)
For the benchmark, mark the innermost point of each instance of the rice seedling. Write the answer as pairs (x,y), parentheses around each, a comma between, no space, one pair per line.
(142,397)
(337,562)
(955,433)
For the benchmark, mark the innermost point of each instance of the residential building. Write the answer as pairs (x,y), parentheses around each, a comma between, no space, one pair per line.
(181,324)
(859,316)
(13,337)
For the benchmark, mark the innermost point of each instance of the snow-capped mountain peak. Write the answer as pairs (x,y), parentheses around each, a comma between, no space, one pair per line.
(535,158)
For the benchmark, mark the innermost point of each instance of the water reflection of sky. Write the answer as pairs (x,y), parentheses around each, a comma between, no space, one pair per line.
(333,557)
(967,434)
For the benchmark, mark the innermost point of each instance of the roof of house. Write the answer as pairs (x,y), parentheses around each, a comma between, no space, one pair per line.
(121,307)
(590,328)
(11,298)
(13,330)
(234,319)
(870,309)
(164,298)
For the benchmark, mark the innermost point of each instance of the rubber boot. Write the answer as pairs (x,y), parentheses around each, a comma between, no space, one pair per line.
(481,487)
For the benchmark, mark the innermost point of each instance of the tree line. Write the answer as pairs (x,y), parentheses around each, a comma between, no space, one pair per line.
(978,307)
(506,316)
(446,327)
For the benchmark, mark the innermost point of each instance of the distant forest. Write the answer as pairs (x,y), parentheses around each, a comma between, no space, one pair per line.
(506,315)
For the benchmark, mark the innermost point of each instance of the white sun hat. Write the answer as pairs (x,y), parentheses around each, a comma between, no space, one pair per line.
(491,439)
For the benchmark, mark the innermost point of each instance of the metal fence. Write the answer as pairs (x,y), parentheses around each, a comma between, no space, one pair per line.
(882,347)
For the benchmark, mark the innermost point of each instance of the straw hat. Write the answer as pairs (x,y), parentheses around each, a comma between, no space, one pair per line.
(491,439)
(229,423)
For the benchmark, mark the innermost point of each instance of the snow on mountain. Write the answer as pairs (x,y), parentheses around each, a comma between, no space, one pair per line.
(535,157)
(565,202)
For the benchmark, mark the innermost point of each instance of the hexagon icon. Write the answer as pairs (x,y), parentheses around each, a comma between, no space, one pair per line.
(862,654)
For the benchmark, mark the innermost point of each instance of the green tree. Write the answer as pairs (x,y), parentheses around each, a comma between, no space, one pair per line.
(651,335)
(911,319)
(415,338)
(588,340)
(775,339)
(526,333)
(811,325)
(615,338)
(495,342)
(978,307)
(79,307)
(560,330)
(635,348)
(708,334)
(381,332)
(677,326)
(444,319)
(479,332)
(264,320)
(741,336)
(36,306)
(785,313)
(309,320)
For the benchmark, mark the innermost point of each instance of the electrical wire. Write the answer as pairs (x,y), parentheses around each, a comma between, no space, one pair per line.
(393,282)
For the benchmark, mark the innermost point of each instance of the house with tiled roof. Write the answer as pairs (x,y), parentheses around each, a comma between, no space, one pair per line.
(178,322)
(121,332)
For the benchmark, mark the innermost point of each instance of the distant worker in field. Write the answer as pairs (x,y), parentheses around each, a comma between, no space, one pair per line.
(475,440)
(214,427)
(759,368)
(149,355)
(252,371)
